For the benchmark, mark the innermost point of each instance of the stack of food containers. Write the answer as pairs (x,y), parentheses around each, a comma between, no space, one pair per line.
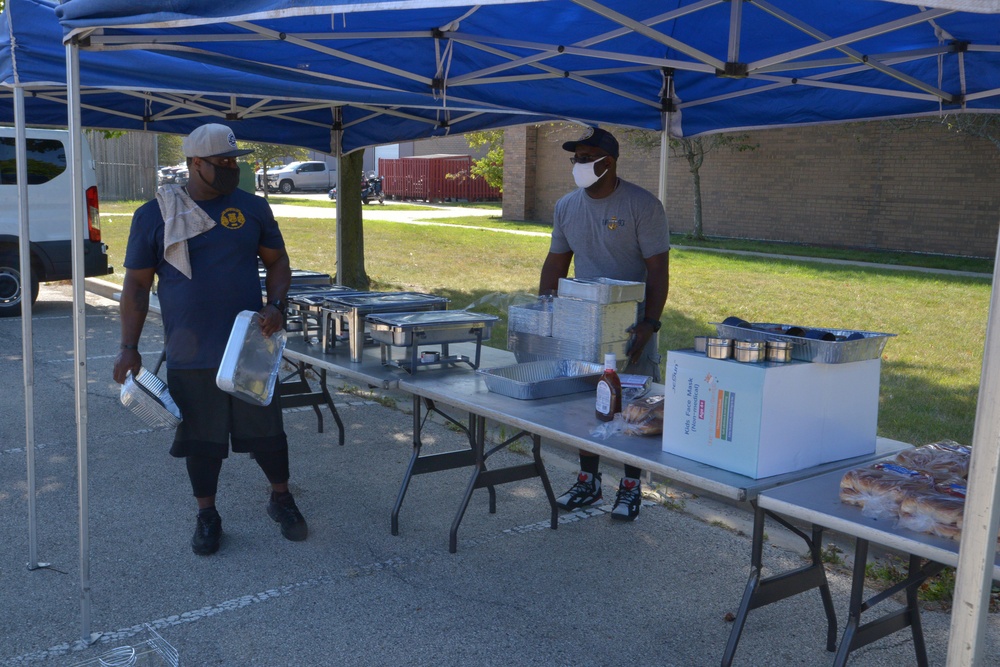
(588,319)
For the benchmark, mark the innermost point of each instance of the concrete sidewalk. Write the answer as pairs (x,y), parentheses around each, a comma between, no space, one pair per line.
(593,592)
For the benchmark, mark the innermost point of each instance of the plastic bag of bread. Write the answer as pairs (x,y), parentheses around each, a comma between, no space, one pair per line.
(643,416)
(932,512)
(944,461)
(879,488)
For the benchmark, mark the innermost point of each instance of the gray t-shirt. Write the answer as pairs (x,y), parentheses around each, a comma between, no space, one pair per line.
(610,237)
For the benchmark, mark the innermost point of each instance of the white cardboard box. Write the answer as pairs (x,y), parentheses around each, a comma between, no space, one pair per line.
(763,419)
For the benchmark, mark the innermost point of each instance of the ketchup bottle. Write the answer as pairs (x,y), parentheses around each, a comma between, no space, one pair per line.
(609,390)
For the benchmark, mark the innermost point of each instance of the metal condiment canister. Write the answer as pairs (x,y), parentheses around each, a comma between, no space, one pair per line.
(719,348)
(699,343)
(779,350)
(749,351)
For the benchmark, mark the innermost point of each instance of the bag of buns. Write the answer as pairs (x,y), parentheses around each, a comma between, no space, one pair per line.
(643,416)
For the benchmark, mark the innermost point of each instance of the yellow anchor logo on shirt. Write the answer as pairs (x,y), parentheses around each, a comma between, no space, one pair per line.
(232,218)
(614,223)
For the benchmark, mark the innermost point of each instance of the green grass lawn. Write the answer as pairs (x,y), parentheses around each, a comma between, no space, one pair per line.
(930,371)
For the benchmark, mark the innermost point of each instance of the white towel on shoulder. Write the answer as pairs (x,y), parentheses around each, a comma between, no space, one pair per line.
(182,219)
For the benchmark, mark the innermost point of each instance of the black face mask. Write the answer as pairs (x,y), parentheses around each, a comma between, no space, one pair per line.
(226,179)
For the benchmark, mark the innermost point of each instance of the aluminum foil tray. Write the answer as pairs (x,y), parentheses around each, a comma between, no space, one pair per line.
(601,290)
(542,379)
(589,323)
(529,347)
(535,318)
(149,650)
(147,397)
(250,363)
(432,326)
(870,346)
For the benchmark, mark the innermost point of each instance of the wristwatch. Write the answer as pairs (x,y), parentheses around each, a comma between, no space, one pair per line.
(656,324)
(279,304)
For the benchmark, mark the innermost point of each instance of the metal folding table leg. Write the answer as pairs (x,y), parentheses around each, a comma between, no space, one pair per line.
(760,592)
(475,457)
(298,393)
(420,465)
(857,634)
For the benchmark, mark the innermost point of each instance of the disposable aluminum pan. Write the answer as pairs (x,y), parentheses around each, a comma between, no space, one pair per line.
(868,346)
(148,398)
(601,290)
(427,327)
(542,379)
(535,318)
(250,363)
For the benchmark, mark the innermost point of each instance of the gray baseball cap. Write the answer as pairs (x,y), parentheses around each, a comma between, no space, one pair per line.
(212,140)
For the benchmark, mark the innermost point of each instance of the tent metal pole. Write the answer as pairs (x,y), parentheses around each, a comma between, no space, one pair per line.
(79,329)
(338,139)
(661,191)
(977,549)
(27,351)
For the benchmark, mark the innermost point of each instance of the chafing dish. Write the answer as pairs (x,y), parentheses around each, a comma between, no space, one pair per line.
(300,277)
(344,317)
(413,329)
(305,309)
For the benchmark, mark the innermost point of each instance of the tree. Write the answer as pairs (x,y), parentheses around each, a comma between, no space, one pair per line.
(168,149)
(351,272)
(272,155)
(981,125)
(694,150)
(490,166)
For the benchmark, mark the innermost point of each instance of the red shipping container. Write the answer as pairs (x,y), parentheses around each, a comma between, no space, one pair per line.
(434,178)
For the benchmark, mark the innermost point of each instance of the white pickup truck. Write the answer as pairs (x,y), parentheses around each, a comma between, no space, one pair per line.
(312,175)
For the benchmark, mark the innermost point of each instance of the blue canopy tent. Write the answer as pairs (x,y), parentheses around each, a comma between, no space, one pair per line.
(685,67)
(164,93)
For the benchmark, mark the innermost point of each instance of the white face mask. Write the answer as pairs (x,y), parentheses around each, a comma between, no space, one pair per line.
(583,173)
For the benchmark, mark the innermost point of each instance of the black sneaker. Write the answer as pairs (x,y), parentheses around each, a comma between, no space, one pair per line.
(208,532)
(628,501)
(282,509)
(586,491)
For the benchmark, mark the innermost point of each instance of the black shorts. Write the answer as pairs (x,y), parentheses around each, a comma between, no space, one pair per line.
(212,419)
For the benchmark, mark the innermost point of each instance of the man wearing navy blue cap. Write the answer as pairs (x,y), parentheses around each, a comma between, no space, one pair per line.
(610,228)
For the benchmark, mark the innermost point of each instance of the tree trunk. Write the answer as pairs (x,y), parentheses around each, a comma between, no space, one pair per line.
(352,272)
(699,232)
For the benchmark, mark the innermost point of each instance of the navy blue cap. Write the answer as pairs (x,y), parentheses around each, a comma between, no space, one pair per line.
(598,138)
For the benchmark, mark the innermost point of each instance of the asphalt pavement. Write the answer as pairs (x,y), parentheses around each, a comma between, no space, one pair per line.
(593,592)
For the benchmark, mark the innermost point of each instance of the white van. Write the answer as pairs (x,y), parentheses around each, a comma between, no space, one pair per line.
(49,215)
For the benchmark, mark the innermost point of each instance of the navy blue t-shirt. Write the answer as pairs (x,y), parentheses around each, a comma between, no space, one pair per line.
(198,313)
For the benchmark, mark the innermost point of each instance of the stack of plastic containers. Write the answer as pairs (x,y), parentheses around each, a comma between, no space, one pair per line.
(589,318)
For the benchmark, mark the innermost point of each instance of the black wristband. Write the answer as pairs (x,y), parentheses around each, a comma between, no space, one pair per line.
(656,324)
(125,346)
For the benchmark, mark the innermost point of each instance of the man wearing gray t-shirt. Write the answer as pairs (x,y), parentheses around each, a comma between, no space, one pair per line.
(612,229)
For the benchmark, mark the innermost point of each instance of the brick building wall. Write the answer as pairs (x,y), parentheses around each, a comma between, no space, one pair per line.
(861,185)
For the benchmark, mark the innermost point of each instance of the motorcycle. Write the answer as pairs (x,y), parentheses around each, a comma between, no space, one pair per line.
(371,188)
